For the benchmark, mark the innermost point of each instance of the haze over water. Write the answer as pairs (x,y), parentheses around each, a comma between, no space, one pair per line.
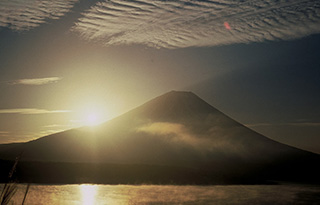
(169,194)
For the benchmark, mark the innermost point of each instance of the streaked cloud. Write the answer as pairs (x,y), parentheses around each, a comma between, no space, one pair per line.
(54,128)
(259,125)
(308,124)
(50,132)
(35,81)
(4,133)
(57,126)
(184,23)
(17,137)
(173,131)
(24,15)
(180,134)
(299,124)
(31,111)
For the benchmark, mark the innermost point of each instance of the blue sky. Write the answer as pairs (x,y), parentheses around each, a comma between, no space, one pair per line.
(62,61)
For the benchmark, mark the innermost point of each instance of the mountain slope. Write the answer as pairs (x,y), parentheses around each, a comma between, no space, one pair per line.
(175,129)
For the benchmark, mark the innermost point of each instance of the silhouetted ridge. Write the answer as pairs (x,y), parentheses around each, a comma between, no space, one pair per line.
(178,133)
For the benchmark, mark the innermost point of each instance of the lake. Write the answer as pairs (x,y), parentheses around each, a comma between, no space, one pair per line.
(168,194)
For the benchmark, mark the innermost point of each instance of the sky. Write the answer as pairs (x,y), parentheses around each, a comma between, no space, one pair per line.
(72,63)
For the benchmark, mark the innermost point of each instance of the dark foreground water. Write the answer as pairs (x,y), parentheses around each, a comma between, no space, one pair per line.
(154,194)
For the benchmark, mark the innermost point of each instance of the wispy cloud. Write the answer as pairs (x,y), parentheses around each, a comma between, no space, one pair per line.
(184,23)
(24,15)
(54,128)
(4,133)
(180,134)
(50,132)
(31,111)
(308,124)
(299,124)
(253,125)
(16,137)
(35,81)
(57,126)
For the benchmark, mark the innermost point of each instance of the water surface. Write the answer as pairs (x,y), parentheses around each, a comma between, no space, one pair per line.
(170,194)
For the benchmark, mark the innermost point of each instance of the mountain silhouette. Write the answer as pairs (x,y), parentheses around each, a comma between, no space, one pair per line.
(177,129)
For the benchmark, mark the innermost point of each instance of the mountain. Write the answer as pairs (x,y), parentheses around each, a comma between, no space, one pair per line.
(175,131)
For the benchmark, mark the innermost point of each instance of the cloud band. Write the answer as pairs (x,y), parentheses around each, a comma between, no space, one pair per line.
(35,81)
(182,23)
(31,111)
(24,15)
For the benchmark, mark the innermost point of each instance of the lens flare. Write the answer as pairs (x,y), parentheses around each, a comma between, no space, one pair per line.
(227,26)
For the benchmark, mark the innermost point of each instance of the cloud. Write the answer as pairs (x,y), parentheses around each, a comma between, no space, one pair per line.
(259,125)
(307,124)
(31,111)
(179,133)
(17,137)
(298,124)
(35,81)
(24,15)
(184,23)
(57,126)
(4,134)
(54,128)
(50,132)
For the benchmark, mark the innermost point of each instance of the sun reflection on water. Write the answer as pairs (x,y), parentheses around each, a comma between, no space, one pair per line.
(88,193)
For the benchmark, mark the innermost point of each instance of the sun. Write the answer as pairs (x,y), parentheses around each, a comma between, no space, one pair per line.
(92,116)
(92,119)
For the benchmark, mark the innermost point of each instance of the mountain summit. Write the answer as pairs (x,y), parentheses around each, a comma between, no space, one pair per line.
(175,105)
(175,129)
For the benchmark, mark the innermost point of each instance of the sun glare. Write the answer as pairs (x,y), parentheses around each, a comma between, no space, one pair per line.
(92,119)
(92,116)
(88,193)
